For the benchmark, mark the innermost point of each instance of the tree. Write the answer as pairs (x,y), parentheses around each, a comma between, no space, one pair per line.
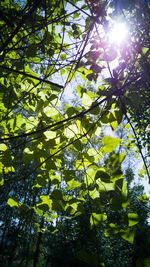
(45,45)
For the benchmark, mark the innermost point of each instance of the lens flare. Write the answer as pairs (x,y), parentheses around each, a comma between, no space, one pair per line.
(118,34)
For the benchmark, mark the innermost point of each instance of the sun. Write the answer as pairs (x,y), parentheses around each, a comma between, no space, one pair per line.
(118,33)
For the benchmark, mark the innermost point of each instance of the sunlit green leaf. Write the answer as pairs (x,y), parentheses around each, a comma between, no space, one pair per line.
(128,235)
(50,134)
(98,131)
(3,147)
(105,186)
(14,202)
(89,176)
(27,155)
(71,131)
(56,179)
(110,143)
(81,90)
(1,179)
(38,227)
(94,153)
(49,111)
(81,163)
(93,194)
(73,184)
(86,100)
(97,218)
(45,203)
(124,189)
(145,50)
(133,218)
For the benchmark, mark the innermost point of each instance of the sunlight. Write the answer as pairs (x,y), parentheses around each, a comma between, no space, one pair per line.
(118,33)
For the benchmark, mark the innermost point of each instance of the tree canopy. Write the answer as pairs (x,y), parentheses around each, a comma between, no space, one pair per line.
(62,82)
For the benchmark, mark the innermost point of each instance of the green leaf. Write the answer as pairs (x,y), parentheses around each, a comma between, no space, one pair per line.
(3,147)
(96,68)
(69,175)
(82,163)
(1,179)
(63,56)
(111,230)
(97,218)
(95,111)
(71,131)
(38,227)
(143,198)
(98,131)
(75,15)
(118,115)
(50,134)
(56,194)
(103,175)
(125,202)
(95,154)
(110,143)
(89,176)
(52,229)
(62,71)
(56,179)
(87,100)
(94,193)
(145,50)
(78,145)
(116,203)
(70,111)
(45,203)
(7,158)
(117,159)
(114,125)
(38,211)
(40,181)
(128,235)
(14,202)
(27,155)
(127,126)
(110,54)
(31,51)
(81,90)
(124,189)
(105,186)
(73,184)
(133,218)
(50,112)
(57,206)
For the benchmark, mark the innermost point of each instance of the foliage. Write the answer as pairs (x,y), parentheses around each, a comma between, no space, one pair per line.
(54,163)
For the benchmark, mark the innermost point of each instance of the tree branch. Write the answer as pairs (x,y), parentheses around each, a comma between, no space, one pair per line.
(81,114)
(31,76)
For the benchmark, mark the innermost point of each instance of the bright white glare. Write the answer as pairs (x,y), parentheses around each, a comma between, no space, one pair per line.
(118,34)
